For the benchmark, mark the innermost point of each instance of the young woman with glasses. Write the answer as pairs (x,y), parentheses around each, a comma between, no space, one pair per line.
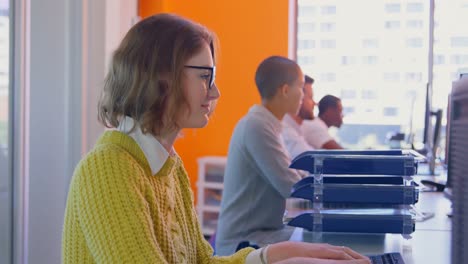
(130,199)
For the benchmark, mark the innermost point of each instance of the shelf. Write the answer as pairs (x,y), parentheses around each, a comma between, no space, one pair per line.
(210,188)
(210,185)
(208,231)
(208,208)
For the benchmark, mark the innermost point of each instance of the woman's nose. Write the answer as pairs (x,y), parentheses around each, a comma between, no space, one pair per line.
(213,92)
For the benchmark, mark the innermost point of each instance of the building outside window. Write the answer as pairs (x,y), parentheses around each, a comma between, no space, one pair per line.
(328,43)
(370,43)
(416,24)
(414,7)
(393,24)
(397,34)
(392,8)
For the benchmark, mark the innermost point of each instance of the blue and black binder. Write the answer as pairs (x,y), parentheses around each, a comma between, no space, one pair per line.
(369,190)
(358,162)
(394,221)
(361,179)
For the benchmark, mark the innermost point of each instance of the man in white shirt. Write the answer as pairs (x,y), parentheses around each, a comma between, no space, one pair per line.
(293,138)
(316,131)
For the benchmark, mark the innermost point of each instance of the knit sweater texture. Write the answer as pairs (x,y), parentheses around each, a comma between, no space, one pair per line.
(118,212)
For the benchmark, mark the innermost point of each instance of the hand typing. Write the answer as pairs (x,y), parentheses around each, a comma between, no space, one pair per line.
(301,252)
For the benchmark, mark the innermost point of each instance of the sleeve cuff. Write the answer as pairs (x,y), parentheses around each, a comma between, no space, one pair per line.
(257,256)
(254,257)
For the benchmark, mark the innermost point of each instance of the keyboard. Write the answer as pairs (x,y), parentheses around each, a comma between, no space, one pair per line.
(387,258)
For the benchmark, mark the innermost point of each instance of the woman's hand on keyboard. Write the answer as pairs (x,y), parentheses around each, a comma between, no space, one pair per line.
(322,261)
(302,252)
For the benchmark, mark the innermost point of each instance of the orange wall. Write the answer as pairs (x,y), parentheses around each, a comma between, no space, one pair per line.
(248,32)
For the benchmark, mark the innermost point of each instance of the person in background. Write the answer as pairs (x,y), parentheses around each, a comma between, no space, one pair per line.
(293,138)
(257,179)
(130,199)
(316,131)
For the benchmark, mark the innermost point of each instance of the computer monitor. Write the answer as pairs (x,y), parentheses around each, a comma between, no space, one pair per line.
(458,169)
(448,183)
(432,132)
(427,133)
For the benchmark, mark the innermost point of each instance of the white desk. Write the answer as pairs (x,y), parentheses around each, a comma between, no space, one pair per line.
(429,244)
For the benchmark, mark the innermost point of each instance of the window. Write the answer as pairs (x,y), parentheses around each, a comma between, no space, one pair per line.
(439,59)
(328,10)
(307,11)
(327,27)
(328,77)
(385,59)
(369,60)
(390,111)
(454,76)
(414,42)
(306,27)
(392,8)
(392,24)
(414,7)
(4,85)
(459,59)
(416,24)
(5,144)
(348,60)
(348,94)
(347,110)
(391,76)
(306,44)
(328,44)
(413,76)
(306,60)
(368,94)
(370,43)
(459,42)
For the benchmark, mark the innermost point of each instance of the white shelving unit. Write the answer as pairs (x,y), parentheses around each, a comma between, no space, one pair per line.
(210,189)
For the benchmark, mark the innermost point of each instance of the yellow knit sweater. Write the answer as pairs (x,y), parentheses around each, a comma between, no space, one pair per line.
(117,212)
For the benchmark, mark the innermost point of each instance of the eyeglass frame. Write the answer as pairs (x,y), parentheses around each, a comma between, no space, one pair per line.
(212,76)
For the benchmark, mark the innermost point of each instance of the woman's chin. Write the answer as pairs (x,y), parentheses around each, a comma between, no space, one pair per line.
(199,123)
(205,122)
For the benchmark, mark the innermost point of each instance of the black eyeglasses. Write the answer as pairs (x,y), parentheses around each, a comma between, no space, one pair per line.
(212,71)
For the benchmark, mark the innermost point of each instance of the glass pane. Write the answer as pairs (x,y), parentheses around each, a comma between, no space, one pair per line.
(5,186)
(376,62)
(450,53)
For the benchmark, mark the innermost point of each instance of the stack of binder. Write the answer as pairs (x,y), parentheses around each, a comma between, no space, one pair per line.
(369,191)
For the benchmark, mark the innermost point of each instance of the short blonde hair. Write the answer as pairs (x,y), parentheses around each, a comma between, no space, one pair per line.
(145,75)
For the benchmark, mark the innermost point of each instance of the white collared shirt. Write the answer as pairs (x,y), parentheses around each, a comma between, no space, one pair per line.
(293,138)
(316,132)
(155,153)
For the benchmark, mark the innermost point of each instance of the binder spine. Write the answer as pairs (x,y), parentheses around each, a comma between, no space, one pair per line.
(410,168)
(408,226)
(318,182)
(318,222)
(409,196)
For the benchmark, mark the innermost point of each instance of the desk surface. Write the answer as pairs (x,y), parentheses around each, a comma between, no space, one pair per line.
(430,243)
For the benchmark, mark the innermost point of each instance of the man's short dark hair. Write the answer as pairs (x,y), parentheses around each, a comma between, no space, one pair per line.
(308,79)
(274,72)
(328,101)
